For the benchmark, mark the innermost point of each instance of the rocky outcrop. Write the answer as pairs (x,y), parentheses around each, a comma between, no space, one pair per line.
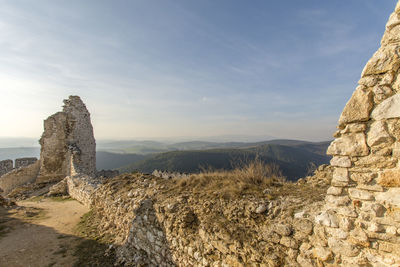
(68,146)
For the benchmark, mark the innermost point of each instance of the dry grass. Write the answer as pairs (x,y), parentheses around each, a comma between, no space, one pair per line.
(250,178)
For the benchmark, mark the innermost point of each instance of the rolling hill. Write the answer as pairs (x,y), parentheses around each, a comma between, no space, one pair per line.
(293,158)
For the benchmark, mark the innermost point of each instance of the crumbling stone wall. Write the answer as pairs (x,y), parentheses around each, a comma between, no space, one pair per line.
(5,166)
(23,162)
(18,177)
(68,146)
(360,222)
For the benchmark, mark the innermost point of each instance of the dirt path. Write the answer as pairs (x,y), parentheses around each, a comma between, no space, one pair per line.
(39,233)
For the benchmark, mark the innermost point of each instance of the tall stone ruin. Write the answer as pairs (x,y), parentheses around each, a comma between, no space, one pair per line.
(68,146)
(360,224)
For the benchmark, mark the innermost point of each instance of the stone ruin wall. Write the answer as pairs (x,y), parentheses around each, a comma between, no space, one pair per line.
(23,162)
(68,146)
(6,166)
(19,177)
(360,222)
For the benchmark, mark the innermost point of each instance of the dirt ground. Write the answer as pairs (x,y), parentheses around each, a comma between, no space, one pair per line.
(40,233)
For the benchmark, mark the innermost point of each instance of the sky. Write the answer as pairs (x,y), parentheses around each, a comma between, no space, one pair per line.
(150,69)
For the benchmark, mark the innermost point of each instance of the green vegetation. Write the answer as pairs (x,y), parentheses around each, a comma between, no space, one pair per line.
(90,251)
(294,160)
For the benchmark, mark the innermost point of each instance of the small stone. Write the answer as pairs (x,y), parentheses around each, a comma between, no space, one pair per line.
(390,197)
(327,218)
(349,145)
(336,191)
(384,60)
(341,162)
(346,224)
(368,81)
(378,134)
(282,229)
(261,208)
(389,108)
(340,175)
(289,242)
(391,230)
(342,247)
(362,178)
(374,227)
(337,200)
(322,254)
(360,194)
(358,107)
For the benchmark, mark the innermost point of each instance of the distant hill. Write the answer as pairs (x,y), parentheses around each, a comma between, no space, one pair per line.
(293,157)
(109,161)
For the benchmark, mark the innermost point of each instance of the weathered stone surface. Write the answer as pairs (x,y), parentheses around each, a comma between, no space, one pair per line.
(349,145)
(322,254)
(6,166)
(390,197)
(327,218)
(390,178)
(67,144)
(344,162)
(360,194)
(358,107)
(384,60)
(389,108)
(341,175)
(342,247)
(335,191)
(18,177)
(354,128)
(378,134)
(362,178)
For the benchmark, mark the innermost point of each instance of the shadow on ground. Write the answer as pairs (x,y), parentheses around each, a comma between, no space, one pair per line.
(23,242)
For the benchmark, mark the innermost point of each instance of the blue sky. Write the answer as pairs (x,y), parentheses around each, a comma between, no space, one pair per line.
(172,68)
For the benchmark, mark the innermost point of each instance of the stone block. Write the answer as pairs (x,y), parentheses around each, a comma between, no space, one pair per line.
(342,247)
(360,194)
(358,107)
(335,191)
(349,145)
(362,178)
(378,134)
(384,60)
(389,108)
(390,197)
(343,162)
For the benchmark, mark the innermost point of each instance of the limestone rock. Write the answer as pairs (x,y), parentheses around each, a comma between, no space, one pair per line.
(344,162)
(68,146)
(327,218)
(378,134)
(389,108)
(390,197)
(360,194)
(349,145)
(384,60)
(358,107)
